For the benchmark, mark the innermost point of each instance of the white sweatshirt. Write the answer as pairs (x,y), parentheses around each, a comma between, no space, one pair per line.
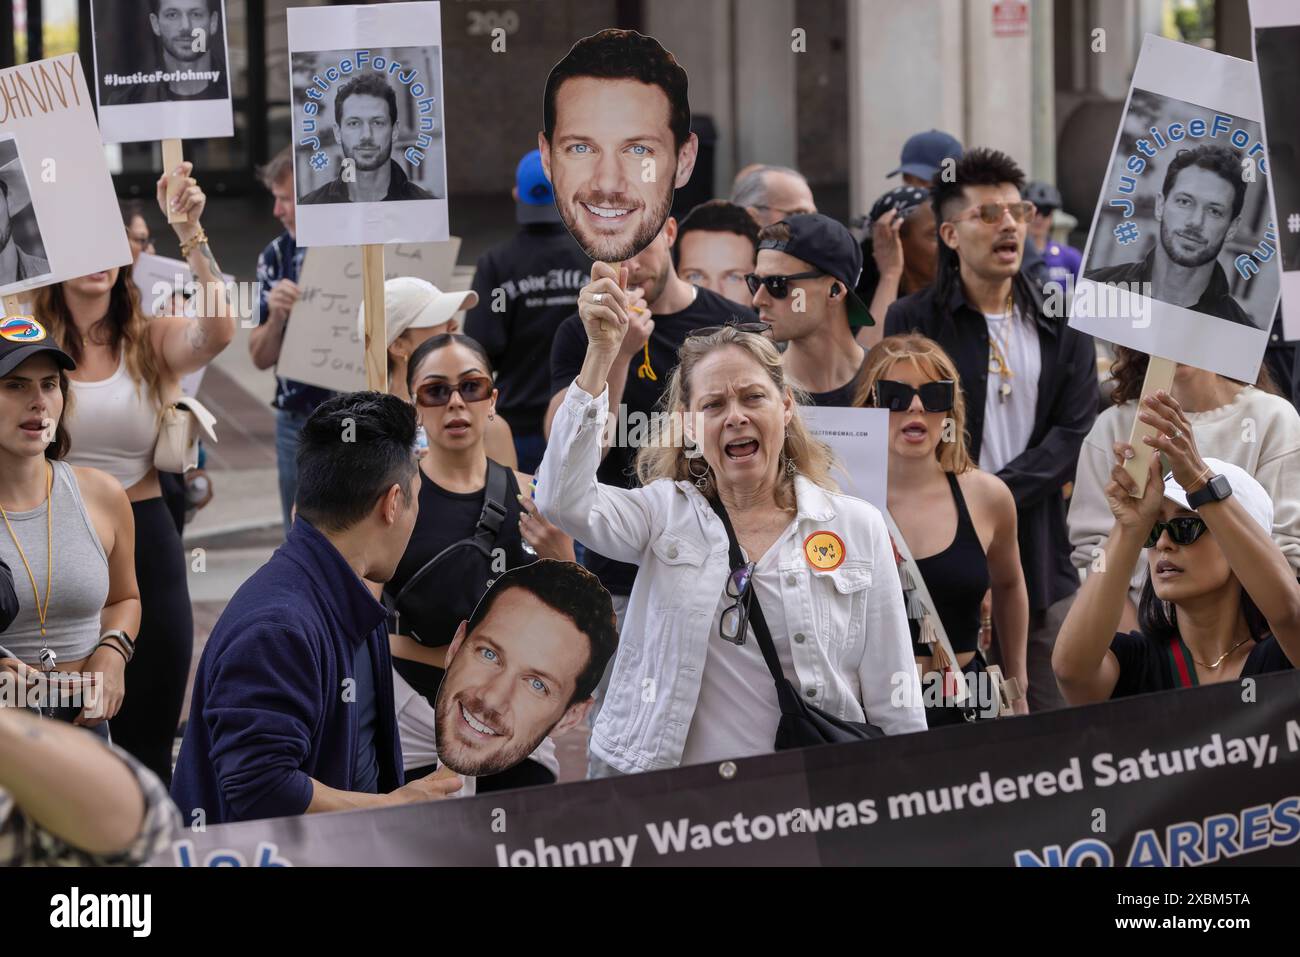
(1257,431)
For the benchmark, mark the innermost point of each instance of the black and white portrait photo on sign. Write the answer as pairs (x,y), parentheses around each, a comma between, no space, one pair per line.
(22,251)
(161,69)
(59,217)
(370,159)
(1277,55)
(1181,260)
(616,141)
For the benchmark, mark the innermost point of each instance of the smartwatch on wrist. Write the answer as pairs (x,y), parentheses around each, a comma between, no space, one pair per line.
(1215,490)
(123,639)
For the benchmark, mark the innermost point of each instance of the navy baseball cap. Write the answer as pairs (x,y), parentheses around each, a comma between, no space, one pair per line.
(536,203)
(22,337)
(827,245)
(924,153)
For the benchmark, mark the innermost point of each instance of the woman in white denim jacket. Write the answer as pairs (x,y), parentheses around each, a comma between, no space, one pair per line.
(680,693)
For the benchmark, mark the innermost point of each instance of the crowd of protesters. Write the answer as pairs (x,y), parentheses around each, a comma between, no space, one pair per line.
(492,448)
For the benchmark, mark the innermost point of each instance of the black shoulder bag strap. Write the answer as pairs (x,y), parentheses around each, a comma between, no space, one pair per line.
(802,724)
(486,531)
(493,515)
(756,620)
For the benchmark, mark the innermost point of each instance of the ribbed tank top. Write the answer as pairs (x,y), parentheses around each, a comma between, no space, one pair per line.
(78,583)
(113,426)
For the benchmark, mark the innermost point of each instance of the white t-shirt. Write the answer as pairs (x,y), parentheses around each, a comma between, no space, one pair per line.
(1008,424)
(737,713)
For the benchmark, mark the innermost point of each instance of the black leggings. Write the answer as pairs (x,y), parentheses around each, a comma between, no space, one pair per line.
(156,677)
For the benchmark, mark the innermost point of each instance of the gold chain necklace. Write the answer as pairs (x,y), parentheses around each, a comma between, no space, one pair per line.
(41,610)
(998,361)
(1221,657)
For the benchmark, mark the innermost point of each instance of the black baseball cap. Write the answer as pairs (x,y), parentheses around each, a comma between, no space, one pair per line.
(828,245)
(22,337)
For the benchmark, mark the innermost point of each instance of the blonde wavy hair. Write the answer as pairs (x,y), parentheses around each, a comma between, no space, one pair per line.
(665,457)
(930,360)
(124,327)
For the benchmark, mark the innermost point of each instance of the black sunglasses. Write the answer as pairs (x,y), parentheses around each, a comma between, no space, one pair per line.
(897,396)
(1183,530)
(735,618)
(778,287)
(757,328)
(473,389)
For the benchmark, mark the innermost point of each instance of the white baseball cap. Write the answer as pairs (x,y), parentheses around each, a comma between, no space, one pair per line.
(411,303)
(1245,489)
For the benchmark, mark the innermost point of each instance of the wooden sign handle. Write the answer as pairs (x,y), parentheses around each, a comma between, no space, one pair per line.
(372,290)
(1160,375)
(11,304)
(173,155)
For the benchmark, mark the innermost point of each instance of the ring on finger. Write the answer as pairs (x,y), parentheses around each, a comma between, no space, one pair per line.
(597,297)
(1178,433)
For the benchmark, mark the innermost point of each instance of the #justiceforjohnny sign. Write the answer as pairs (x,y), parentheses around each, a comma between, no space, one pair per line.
(58,212)
(321,345)
(1182,258)
(369,155)
(161,69)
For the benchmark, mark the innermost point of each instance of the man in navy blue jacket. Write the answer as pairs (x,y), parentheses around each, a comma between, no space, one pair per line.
(293,700)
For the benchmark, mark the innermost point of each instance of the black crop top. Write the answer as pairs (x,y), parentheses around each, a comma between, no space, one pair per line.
(957,579)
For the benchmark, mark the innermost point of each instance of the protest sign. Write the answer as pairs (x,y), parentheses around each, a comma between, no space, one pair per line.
(1277,55)
(57,203)
(161,69)
(1181,257)
(1182,778)
(321,344)
(615,210)
(860,440)
(369,153)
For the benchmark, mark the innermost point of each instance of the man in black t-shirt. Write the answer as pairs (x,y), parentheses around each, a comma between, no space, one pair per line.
(804,285)
(526,287)
(649,353)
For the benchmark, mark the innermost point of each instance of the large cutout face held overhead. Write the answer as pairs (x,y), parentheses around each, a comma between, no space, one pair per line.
(616,141)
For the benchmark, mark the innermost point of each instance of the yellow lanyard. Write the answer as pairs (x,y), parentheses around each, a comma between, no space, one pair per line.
(41,610)
(645,370)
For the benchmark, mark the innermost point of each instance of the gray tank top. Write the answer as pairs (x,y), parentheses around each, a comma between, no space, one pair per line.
(78,583)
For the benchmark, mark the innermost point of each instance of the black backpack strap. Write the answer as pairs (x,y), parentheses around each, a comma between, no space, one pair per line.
(494,512)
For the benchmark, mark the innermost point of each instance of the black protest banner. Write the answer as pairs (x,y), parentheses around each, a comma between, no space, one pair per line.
(1181,778)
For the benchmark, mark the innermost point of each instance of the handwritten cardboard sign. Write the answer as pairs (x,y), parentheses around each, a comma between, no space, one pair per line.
(321,343)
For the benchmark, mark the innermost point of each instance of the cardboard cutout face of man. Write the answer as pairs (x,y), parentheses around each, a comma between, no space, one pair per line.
(512,677)
(617,147)
(175,23)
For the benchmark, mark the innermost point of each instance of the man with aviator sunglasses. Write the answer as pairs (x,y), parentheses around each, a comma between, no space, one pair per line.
(1030,381)
(804,285)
